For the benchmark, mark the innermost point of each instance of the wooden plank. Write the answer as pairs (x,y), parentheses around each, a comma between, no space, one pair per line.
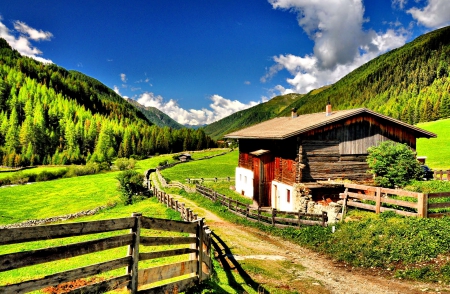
(175,287)
(361,196)
(104,286)
(166,253)
(155,274)
(361,205)
(399,192)
(439,195)
(399,202)
(21,259)
(439,205)
(438,214)
(67,276)
(156,241)
(168,225)
(19,235)
(400,212)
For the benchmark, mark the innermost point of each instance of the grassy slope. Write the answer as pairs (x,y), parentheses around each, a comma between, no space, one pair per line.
(220,166)
(437,150)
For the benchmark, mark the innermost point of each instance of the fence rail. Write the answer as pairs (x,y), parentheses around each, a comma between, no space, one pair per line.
(215,179)
(198,266)
(439,175)
(264,215)
(402,202)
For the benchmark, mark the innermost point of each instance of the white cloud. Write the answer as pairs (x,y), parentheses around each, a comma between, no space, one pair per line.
(436,14)
(117,90)
(247,83)
(123,77)
(22,43)
(32,33)
(340,43)
(219,108)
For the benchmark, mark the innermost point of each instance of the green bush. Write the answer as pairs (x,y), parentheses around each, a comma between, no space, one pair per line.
(130,185)
(125,163)
(393,164)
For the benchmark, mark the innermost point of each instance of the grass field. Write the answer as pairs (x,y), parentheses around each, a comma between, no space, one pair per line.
(57,197)
(437,150)
(220,167)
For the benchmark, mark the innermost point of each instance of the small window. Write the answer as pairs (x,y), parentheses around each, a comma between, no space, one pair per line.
(245,180)
(288,194)
(240,178)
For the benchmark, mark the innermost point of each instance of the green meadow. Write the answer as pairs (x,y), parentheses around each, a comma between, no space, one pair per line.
(437,150)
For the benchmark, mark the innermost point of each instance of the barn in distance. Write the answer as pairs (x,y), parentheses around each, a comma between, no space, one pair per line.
(280,157)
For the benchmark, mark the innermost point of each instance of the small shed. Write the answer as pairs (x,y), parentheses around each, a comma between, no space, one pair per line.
(277,155)
(184,157)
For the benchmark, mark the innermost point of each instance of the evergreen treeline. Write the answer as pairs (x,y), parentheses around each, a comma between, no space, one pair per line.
(49,115)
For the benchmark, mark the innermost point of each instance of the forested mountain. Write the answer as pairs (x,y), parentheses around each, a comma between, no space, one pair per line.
(410,83)
(251,116)
(155,116)
(49,115)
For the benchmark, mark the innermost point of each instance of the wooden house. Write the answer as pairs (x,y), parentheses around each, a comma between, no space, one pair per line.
(276,155)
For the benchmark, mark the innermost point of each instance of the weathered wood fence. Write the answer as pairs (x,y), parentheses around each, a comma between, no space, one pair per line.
(192,271)
(439,175)
(186,213)
(264,215)
(399,201)
(215,179)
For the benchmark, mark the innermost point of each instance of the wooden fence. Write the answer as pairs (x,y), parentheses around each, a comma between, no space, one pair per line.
(399,201)
(442,175)
(264,215)
(215,179)
(192,271)
(186,213)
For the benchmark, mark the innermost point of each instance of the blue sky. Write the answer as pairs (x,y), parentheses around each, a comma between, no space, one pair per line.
(199,61)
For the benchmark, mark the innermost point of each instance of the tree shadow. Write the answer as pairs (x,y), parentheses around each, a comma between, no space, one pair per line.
(230,264)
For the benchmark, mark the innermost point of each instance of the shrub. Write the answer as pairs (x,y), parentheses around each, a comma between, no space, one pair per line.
(393,164)
(125,163)
(130,185)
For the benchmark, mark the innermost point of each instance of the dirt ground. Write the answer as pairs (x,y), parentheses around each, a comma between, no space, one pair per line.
(274,263)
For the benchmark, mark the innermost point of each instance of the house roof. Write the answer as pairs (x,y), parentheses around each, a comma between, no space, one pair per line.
(284,127)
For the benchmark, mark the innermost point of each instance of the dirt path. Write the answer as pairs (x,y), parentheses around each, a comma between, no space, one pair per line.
(279,264)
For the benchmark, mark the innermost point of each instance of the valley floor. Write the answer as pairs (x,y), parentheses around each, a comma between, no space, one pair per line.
(277,265)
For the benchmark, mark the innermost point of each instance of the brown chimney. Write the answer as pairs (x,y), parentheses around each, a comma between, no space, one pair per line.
(328,109)
(293,113)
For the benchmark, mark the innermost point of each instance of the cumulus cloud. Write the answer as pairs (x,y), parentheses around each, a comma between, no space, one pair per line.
(32,33)
(117,90)
(340,43)
(22,42)
(218,108)
(436,14)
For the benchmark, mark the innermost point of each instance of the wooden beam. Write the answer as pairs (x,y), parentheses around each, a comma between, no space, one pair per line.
(19,235)
(21,259)
(168,225)
(168,271)
(67,276)
(156,241)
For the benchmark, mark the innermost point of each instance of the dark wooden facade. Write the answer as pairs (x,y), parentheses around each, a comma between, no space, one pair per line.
(317,147)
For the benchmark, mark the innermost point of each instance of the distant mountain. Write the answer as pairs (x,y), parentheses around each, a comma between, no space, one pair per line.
(410,83)
(194,127)
(155,116)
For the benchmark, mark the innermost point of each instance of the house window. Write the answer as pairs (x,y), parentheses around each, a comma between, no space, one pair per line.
(288,194)
(245,179)
(240,178)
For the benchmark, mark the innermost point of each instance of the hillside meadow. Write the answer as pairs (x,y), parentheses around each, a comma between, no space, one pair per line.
(437,150)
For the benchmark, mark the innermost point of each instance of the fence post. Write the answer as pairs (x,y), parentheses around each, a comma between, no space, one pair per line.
(299,214)
(237,206)
(274,214)
(378,201)
(247,211)
(133,250)
(229,203)
(259,213)
(176,205)
(200,248)
(422,205)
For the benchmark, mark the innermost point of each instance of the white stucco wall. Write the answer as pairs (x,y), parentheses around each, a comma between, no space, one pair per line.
(279,196)
(244,182)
